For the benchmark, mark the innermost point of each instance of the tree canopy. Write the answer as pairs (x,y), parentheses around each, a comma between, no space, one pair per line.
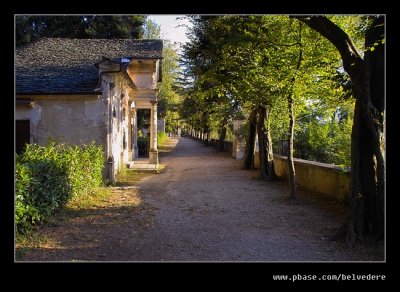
(327,75)
(247,61)
(152,30)
(30,28)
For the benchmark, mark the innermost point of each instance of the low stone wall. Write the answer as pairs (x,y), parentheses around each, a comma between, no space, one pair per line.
(227,145)
(326,179)
(322,178)
(215,142)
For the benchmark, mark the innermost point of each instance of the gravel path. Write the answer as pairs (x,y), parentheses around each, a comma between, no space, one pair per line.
(203,207)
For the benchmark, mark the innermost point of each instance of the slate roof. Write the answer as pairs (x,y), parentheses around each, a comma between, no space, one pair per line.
(60,65)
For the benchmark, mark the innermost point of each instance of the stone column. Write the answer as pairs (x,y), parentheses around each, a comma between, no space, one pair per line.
(129,126)
(134,134)
(239,143)
(153,153)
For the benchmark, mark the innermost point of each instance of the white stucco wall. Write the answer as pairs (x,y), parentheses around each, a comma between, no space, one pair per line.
(144,80)
(144,74)
(116,134)
(116,125)
(70,120)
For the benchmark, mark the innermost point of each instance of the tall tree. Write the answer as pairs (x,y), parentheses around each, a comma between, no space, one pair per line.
(292,172)
(30,28)
(169,98)
(368,145)
(206,79)
(241,67)
(112,27)
(152,30)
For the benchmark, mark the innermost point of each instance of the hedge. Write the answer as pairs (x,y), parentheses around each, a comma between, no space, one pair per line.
(48,176)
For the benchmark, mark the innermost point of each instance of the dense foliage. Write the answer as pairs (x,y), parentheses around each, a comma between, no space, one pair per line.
(169,98)
(319,87)
(366,70)
(325,136)
(238,63)
(48,176)
(161,138)
(30,28)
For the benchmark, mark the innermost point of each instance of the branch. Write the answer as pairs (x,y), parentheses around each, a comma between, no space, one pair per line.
(350,56)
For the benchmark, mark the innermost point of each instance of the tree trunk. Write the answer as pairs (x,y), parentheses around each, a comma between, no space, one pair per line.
(270,151)
(367,185)
(248,162)
(266,154)
(222,135)
(292,172)
(376,68)
(262,149)
(366,198)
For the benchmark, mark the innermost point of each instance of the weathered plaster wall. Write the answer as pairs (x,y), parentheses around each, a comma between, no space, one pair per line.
(143,80)
(318,177)
(321,178)
(70,120)
(74,122)
(143,74)
(125,128)
(116,98)
(114,121)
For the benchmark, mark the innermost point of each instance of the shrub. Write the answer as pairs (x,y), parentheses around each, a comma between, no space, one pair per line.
(47,177)
(161,138)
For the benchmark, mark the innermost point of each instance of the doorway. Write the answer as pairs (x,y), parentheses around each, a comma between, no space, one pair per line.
(143,128)
(22,135)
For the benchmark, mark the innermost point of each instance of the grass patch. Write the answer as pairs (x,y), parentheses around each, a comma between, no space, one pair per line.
(103,198)
(33,239)
(97,198)
(25,242)
(129,177)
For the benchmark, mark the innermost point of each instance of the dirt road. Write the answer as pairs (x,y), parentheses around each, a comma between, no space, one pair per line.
(203,207)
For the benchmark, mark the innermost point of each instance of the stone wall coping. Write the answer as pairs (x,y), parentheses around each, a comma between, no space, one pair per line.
(317,164)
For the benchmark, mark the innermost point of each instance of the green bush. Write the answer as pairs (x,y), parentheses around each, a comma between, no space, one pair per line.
(47,177)
(161,138)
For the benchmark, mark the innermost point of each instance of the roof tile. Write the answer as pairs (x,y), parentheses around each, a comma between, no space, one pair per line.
(60,65)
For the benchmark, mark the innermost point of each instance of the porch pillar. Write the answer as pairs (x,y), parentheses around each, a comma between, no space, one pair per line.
(130,131)
(153,153)
(134,134)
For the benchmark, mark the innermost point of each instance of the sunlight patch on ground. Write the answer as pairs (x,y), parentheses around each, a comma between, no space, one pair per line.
(106,197)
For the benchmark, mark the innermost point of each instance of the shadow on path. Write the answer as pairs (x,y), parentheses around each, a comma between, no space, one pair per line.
(202,208)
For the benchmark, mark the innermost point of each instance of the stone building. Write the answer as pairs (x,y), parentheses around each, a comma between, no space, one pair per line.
(83,90)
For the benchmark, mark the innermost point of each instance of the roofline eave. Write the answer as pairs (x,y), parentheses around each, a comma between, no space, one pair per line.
(17,94)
